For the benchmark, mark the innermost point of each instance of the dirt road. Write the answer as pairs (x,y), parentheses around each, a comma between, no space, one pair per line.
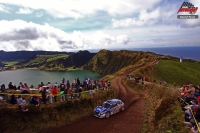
(128,121)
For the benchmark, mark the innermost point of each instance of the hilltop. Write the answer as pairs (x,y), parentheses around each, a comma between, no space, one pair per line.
(108,62)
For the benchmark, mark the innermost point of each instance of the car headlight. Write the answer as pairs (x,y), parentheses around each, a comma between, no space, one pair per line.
(102,113)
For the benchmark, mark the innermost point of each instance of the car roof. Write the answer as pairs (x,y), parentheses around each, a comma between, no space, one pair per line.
(113,101)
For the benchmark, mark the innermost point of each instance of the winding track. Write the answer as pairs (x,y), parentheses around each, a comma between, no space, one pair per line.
(128,121)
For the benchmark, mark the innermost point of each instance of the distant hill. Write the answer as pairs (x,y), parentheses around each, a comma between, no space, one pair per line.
(108,62)
(76,60)
(21,55)
(39,60)
(57,62)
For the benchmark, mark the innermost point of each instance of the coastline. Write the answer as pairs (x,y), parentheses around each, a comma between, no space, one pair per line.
(35,68)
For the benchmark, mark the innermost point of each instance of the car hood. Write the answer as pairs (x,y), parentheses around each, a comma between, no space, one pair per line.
(100,109)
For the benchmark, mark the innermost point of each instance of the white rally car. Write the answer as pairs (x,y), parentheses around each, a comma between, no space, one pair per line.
(109,108)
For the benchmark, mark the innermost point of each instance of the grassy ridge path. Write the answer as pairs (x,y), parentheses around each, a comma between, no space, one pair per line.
(128,121)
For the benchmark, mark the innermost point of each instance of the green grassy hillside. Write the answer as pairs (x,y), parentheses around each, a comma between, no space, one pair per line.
(56,62)
(42,59)
(182,73)
(74,61)
(108,62)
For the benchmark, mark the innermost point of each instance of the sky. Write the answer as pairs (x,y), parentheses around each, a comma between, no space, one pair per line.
(65,25)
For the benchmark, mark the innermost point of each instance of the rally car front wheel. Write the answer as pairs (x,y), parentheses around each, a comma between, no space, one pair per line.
(107,115)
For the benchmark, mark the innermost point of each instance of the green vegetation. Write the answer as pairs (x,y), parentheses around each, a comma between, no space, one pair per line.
(42,59)
(48,116)
(182,73)
(108,62)
(163,111)
(8,63)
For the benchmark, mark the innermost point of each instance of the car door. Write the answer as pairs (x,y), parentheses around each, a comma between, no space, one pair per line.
(113,109)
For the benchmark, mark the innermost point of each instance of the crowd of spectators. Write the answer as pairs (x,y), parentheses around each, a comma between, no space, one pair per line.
(190,103)
(52,93)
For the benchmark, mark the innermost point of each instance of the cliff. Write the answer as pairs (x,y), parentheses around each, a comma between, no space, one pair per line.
(108,62)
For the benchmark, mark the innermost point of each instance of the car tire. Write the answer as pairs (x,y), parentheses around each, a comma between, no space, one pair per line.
(107,115)
(122,109)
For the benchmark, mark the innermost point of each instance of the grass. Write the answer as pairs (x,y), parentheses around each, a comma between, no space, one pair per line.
(41,59)
(173,71)
(9,63)
(48,116)
(163,111)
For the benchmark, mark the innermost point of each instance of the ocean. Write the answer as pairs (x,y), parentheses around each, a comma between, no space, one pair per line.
(186,52)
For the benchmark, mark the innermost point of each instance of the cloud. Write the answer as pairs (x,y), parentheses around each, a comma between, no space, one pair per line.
(131,13)
(144,17)
(24,11)
(80,8)
(165,14)
(100,39)
(154,31)
(39,14)
(22,35)
(4,9)
(126,22)
(156,39)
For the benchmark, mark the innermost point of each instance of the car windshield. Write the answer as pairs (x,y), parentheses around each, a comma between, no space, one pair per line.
(106,105)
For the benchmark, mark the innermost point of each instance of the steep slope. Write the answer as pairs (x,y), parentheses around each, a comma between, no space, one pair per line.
(40,60)
(108,62)
(75,60)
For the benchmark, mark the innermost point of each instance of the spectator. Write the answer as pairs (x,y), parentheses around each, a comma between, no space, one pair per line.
(56,84)
(49,91)
(78,81)
(62,89)
(9,97)
(3,87)
(21,103)
(23,88)
(41,84)
(54,93)
(190,90)
(44,94)
(10,86)
(34,100)
(13,99)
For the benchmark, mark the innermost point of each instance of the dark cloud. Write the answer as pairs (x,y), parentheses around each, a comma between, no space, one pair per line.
(64,41)
(127,41)
(67,44)
(27,33)
(23,45)
(73,46)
